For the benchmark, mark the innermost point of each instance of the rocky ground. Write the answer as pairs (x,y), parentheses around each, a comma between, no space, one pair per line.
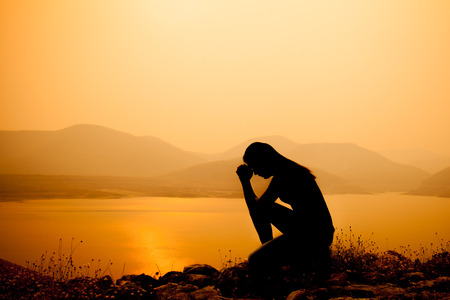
(387,276)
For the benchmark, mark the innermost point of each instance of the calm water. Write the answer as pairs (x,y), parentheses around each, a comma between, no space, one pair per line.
(147,234)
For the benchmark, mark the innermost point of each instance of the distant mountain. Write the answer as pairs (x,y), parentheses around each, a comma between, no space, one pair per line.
(428,161)
(89,150)
(362,167)
(436,185)
(221,176)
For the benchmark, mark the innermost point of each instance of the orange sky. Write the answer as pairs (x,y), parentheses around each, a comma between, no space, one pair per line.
(205,75)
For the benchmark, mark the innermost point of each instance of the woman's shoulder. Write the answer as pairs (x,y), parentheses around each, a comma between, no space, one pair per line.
(296,178)
(295,170)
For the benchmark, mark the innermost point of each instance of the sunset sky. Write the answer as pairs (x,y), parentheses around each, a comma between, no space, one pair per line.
(206,75)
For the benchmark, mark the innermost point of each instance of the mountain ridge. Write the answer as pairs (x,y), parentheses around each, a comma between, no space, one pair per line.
(91,150)
(436,185)
(363,167)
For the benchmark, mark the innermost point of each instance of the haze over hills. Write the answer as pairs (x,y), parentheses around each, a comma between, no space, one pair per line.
(366,169)
(436,185)
(221,176)
(359,166)
(428,161)
(88,150)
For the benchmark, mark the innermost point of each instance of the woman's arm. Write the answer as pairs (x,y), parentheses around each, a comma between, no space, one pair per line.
(270,195)
(245,173)
(258,212)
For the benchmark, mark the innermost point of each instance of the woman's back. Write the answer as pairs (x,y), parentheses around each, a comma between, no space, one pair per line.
(297,186)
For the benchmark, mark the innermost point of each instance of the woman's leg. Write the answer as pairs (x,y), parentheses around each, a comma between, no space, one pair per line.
(282,217)
(293,248)
(263,216)
(270,255)
(281,250)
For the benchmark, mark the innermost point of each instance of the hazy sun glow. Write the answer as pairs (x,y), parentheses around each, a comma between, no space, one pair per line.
(205,75)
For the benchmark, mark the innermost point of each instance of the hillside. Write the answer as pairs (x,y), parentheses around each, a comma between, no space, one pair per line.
(221,176)
(425,160)
(359,168)
(362,167)
(436,185)
(89,151)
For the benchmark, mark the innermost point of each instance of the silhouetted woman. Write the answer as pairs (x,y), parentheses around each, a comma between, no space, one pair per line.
(307,229)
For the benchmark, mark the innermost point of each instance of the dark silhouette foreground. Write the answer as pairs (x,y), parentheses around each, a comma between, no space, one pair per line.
(307,228)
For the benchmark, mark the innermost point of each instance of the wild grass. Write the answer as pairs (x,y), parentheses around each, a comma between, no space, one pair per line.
(60,266)
(361,259)
(229,260)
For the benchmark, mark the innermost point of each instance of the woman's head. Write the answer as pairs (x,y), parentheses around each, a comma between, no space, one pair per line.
(266,161)
(262,158)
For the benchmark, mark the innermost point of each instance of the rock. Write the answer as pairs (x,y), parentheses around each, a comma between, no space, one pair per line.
(395,255)
(208,292)
(174,277)
(105,282)
(199,280)
(388,291)
(439,264)
(320,293)
(360,291)
(297,295)
(174,291)
(338,279)
(128,290)
(145,281)
(421,285)
(201,269)
(234,281)
(442,284)
(411,277)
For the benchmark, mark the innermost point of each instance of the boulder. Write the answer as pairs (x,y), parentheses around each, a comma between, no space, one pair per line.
(439,264)
(389,291)
(299,294)
(208,292)
(129,290)
(174,291)
(442,284)
(145,281)
(174,277)
(338,279)
(234,281)
(411,277)
(201,269)
(360,291)
(199,280)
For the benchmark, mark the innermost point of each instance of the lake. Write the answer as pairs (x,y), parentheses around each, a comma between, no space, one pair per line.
(147,235)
